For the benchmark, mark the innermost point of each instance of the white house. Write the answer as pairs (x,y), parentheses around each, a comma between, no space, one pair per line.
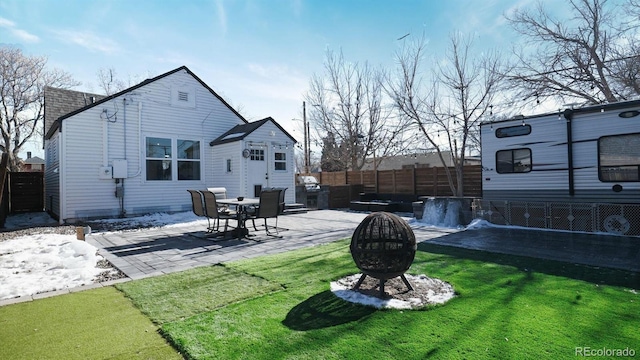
(253,156)
(138,151)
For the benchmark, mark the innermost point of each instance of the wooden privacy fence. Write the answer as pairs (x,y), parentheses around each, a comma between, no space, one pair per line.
(26,190)
(4,189)
(431,181)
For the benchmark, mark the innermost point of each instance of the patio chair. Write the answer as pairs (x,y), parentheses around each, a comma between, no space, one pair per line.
(215,214)
(197,203)
(268,208)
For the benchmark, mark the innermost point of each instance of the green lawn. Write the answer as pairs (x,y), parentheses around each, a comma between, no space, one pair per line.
(94,324)
(280,307)
(507,307)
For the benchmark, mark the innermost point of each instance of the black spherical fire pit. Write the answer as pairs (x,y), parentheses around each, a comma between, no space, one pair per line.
(383,246)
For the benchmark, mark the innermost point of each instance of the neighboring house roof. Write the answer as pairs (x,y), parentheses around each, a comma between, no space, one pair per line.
(34,161)
(59,102)
(416,160)
(56,125)
(239,132)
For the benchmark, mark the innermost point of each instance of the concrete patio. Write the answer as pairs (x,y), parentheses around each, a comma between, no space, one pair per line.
(153,252)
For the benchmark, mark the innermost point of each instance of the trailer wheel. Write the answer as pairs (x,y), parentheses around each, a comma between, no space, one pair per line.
(616,224)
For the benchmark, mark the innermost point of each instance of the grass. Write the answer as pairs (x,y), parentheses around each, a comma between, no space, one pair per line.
(280,307)
(95,324)
(507,307)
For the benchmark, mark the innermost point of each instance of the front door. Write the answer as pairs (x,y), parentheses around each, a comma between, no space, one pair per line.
(258,172)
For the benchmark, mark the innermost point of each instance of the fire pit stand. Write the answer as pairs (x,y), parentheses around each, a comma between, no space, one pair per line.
(383,246)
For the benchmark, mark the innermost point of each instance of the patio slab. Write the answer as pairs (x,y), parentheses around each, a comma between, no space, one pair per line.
(176,248)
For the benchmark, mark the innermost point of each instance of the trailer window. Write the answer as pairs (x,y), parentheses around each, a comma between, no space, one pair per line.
(619,158)
(513,161)
(510,131)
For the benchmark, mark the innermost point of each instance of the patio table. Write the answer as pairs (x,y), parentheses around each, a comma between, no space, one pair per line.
(241,209)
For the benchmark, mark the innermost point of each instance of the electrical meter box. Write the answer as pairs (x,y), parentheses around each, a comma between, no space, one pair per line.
(119,169)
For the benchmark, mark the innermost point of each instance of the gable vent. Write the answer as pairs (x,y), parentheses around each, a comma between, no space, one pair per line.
(183,96)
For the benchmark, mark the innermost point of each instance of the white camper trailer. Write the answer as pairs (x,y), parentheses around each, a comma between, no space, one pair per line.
(577,169)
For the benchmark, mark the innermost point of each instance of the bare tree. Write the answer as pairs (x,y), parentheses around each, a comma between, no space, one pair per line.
(585,58)
(22,81)
(347,103)
(109,82)
(446,111)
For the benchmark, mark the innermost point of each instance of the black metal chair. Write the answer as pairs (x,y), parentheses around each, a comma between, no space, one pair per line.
(215,214)
(268,208)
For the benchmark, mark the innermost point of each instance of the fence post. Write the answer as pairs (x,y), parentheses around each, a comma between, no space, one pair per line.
(435,182)
(413,177)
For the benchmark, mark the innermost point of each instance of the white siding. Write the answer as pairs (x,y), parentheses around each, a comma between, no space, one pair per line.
(91,141)
(276,140)
(547,142)
(221,178)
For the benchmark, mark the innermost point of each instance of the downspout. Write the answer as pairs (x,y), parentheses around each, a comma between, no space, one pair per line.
(139,138)
(568,115)
(124,124)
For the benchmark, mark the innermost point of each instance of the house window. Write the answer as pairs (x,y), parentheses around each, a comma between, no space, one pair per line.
(619,158)
(228,165)
(257,154)
(188,159)
(280,161)
(513,161)
(158,158)
(510,131)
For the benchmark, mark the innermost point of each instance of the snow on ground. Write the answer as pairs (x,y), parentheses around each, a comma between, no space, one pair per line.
(46,262)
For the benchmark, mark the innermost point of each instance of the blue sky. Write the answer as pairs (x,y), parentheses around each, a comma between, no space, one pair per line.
(259,55)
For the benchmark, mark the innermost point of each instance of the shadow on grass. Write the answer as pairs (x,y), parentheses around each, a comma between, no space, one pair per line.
(324,310)
(596,275)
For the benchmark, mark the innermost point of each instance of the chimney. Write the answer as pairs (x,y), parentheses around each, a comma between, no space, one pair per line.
(28,154)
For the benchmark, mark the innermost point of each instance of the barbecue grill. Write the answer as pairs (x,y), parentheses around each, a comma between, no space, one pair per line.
(308,190)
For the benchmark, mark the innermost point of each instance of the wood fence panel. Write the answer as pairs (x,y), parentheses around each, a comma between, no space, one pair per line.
(355,177)
(4,189)
(26,190)
(386,181)
(430,181)
(339,196)
(404,181)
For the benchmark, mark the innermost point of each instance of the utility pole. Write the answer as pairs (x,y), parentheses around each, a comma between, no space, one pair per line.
(306,137)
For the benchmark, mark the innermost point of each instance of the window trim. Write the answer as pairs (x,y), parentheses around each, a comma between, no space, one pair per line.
(513,167)
(524,126)
(281,161)
(173,158)
(600,166)
(256,154)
